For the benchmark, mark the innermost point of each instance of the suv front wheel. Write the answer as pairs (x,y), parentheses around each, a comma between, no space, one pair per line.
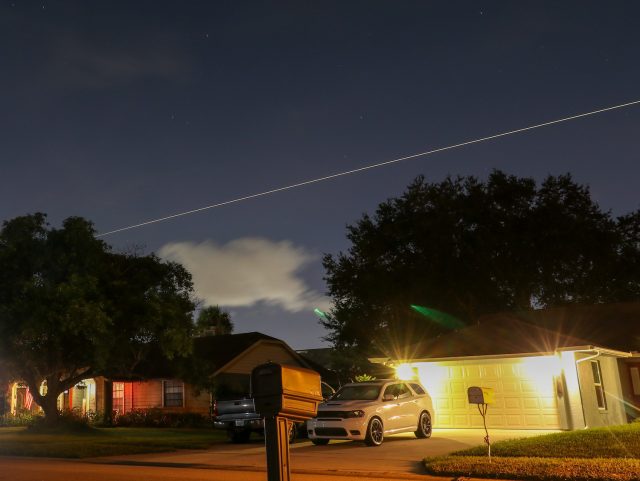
(375,432)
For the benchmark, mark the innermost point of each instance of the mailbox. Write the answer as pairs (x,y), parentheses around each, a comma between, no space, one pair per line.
(286,391)
(480,395)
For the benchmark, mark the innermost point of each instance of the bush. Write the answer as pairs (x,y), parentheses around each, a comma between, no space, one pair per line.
(22,419)
(70,420)
(160,419)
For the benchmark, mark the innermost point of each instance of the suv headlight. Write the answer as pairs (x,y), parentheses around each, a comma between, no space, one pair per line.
(358,413)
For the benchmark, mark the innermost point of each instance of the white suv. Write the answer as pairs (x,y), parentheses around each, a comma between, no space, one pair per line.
(369,410)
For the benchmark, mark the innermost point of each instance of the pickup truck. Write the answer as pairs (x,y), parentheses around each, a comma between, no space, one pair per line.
(239,418)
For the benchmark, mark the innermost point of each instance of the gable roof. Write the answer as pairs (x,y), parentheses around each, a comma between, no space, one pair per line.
(497,337)
(613,327)
(212,353)
(220,351)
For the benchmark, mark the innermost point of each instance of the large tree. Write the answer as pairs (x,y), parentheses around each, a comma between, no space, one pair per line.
(70,308)
(462,248)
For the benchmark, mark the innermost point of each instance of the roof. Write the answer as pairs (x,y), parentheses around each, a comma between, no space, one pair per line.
(220,350)
(210,353)
(613,327)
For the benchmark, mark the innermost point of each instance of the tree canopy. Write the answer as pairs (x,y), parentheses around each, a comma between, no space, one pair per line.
(462,248)
(213,320)
(70,308)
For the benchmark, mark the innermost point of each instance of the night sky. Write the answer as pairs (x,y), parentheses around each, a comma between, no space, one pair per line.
(123,111)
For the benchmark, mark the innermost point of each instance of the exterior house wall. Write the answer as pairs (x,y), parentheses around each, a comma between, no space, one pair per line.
(614,413)
(570,401)
(197,402)
(148,394)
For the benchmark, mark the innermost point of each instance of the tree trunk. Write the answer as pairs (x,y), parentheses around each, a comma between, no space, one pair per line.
(49,405)
(108,402)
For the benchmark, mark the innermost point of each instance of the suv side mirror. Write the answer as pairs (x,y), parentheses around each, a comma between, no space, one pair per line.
(387,397)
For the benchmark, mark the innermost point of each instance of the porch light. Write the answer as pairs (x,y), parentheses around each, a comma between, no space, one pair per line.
(405,372)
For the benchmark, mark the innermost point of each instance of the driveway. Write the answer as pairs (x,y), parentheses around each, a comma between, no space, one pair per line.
(400,454)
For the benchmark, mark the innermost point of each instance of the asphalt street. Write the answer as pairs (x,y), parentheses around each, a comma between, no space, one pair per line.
(398,458)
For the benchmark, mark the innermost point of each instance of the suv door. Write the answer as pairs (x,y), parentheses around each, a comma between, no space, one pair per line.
(392,408)
(408,407)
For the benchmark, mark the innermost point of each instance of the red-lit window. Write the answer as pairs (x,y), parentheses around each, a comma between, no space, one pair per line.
(173,393)
(118,397)
(597,383)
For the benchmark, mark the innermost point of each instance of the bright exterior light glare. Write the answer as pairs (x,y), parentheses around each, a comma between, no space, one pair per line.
(405,372)
(433,376)
(541,371)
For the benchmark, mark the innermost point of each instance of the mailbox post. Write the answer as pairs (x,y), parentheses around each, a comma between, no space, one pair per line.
(283,395)
(482,397)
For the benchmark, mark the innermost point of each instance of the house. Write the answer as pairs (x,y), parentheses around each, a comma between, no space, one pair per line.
(555,369)
(227,359)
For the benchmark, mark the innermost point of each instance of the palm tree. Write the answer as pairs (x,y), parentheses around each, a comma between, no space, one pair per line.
(213,321)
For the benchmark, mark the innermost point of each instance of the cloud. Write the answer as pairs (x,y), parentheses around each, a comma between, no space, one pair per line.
(80,64)
(247,271)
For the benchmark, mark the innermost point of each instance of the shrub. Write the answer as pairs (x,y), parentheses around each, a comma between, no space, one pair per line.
(22,419)
(160,419)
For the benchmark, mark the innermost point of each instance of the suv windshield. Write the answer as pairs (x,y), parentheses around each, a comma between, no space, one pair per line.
(365,392)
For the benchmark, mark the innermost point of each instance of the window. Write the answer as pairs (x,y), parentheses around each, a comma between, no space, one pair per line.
(118,397)
(360,392)
(398,391)
(173,394)
(417,388)
(597,383)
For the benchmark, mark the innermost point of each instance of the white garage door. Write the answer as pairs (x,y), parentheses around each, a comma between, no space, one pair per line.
(524,393)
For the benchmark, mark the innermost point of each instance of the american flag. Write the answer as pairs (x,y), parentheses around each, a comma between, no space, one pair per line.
(28,400)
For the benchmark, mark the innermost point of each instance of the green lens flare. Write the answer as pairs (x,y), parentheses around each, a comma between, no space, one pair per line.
(320,313)
(440,317)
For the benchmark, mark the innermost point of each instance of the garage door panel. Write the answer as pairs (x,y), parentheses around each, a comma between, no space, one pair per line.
(512,403)
(520,402)
(458,387)
(548,403)
(528,387)
(509,387)
(533,420)
(489,372)
(551,420)
(514,420)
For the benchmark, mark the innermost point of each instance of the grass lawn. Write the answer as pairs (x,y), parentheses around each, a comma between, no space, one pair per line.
(105,442)
(590,454)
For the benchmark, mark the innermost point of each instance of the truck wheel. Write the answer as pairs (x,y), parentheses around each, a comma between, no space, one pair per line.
(239,436)
(293,432)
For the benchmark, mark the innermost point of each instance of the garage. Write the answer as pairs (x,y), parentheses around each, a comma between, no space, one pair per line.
(525,396)
(541,379)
